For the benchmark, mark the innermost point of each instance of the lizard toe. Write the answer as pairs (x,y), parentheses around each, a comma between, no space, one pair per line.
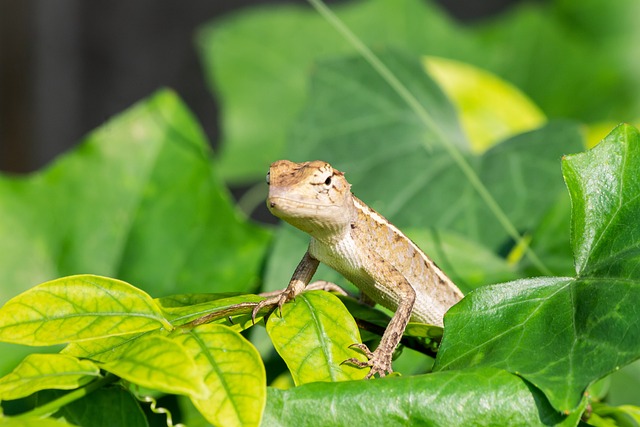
(363,348)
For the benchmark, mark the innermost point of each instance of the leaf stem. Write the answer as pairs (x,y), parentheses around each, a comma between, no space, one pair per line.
(53,406)
(430,123)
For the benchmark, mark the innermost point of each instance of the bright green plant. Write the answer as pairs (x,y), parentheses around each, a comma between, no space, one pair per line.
(142,200)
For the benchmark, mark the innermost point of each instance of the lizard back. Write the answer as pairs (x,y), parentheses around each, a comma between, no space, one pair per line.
(435,292)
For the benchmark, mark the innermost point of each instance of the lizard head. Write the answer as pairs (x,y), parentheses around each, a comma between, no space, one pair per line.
(311,196)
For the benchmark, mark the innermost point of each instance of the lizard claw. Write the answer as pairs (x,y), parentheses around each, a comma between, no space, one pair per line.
(378,361)
(276,300)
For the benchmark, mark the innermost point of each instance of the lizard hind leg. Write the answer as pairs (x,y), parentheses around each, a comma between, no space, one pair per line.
(380,359)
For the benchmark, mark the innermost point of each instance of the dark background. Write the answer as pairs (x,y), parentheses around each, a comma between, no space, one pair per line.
(66,66)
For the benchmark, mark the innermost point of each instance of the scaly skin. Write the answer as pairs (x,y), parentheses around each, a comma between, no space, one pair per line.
(363,246)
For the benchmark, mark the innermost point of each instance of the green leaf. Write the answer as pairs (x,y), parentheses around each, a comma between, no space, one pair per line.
(46,371)
(624,385)
(263,93)
(160,363)
(78,308)
(624,415)
(104,407)
(138,199)
(467,263)
(107,349)
(588,66)
(479,397)
(313,336)
(604,188)
(550,240)
(232,371)
(33,422)
(580,329)
(589,46)
(181,309)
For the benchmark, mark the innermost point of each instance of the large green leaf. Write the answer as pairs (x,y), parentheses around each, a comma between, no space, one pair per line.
(390,170)
(262,94)
(46,371)
(78,308)
(232,371)
(313,336)
(579,329)
(140,200)
(479,397)
(548,50)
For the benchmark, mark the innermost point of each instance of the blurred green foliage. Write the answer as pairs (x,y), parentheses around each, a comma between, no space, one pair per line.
(143,199)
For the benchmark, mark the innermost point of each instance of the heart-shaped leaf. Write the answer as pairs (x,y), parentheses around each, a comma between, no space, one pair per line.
(562,334)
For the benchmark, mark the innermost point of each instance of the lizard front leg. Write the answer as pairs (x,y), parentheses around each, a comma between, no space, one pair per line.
(300,279)
(380,359)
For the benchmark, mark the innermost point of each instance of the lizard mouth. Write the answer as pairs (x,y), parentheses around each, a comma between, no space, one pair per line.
(293,208)
(275,201)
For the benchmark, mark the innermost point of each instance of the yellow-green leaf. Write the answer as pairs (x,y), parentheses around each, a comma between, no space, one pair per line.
(33,422)
(77,308)
(232,371)
(162,364)
(490,108)
(107,349)
(46,371)
(313,336)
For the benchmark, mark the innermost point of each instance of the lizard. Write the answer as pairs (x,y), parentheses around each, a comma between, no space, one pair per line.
(363,246)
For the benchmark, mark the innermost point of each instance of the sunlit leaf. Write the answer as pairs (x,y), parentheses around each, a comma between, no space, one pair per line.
(106,349)
(78,308)
(46,371)
(313,336)
(162,364)
(232,371)
(490,108)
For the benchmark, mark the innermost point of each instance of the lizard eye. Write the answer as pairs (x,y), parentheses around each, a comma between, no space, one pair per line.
(268,176)
(327,181)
